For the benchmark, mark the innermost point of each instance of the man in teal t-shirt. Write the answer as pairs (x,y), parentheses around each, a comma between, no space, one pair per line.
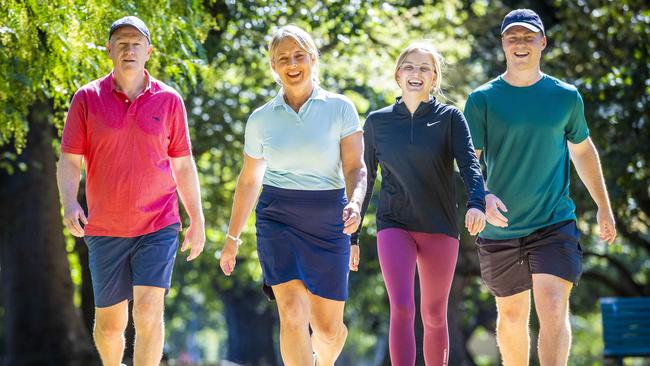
(529,126)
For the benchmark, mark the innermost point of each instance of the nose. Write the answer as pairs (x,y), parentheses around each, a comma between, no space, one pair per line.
(130,49)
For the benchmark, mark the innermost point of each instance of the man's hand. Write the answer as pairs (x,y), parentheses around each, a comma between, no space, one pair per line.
(195,240)
(493,208)
(72,213)
(228,257)
(351,217)
(606,225)
(354,257)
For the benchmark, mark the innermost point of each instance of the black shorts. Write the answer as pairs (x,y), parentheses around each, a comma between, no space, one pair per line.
(507,265)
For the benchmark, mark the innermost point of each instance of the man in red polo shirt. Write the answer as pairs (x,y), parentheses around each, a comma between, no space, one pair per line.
(130,132)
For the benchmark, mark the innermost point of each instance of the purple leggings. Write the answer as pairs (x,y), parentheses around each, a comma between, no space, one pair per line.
(435,254)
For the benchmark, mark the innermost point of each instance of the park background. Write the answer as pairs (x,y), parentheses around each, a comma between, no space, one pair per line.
(214,53)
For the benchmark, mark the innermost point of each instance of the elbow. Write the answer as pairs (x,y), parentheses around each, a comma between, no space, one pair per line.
(249,181)
(358,171)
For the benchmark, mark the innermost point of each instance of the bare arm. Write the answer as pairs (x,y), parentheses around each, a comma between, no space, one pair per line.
(246,192)
(68,172)
(587,163)
(187,181)
(354,171)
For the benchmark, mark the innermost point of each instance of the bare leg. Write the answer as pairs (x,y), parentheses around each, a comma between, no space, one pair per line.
(329,332)
(148,307)
(110,324)
(512,328)
(293,305)
(552,304)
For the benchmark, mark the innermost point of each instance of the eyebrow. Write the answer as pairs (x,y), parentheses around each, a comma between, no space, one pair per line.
(412,63)
(286,53)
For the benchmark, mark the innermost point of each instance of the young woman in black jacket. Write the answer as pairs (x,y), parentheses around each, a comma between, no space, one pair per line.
(415,141)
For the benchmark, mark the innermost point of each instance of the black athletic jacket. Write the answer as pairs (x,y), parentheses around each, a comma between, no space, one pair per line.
(416,154)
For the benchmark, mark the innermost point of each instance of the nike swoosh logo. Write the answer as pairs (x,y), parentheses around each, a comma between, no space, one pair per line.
(429,124)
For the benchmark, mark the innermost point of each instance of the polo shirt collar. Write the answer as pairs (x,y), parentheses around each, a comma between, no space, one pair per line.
(316,94)
(109,82)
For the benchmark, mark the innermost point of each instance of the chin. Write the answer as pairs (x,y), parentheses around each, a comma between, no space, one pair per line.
(295,83)
(415,92)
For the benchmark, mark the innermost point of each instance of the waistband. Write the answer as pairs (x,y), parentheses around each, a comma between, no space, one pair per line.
(301,195)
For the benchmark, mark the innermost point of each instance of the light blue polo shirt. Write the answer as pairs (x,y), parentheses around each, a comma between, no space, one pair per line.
(302,150)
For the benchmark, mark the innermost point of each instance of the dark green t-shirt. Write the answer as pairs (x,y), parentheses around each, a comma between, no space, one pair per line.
(523,134)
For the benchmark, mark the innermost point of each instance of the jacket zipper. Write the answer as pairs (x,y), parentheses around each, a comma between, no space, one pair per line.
(412,127)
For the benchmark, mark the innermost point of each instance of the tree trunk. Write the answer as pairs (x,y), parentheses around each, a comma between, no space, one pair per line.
(87,297)
(42,325)
(251,327)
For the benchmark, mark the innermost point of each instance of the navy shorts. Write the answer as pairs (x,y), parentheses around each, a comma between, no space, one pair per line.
(300,237)
(118,264)
(507,265)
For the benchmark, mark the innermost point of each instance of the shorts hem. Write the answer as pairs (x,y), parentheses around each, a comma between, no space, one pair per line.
(574,281)
(111,303)
(309,288)
(515,291)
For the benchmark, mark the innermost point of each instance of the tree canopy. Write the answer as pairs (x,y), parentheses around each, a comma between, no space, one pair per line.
(214,53)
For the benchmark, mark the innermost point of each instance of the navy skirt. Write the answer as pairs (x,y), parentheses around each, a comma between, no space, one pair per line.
(300,237)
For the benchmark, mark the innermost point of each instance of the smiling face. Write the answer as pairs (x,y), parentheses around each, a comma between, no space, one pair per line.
(417,74)
(128,49)
(523,48)
(293,64)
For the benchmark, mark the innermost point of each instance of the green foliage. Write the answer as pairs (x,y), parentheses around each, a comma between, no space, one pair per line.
(214,53)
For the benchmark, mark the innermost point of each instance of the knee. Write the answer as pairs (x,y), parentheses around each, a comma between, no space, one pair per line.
(434,316)
(331,332)
(404,311)
(552,309)
(513,315)
(109,327)
(147,314)
(294,313)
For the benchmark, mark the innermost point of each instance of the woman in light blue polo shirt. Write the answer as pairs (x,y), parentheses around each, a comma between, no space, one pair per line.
(305,147)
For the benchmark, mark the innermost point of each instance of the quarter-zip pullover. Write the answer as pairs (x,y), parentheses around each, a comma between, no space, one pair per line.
(416,153)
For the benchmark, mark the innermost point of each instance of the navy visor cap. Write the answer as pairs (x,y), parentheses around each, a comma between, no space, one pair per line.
(130,21)
(523,17)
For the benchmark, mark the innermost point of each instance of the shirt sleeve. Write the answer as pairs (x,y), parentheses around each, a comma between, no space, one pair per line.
(350,123)
(179,136)
(576,129)
(467,161)
(73,140)
(372,163)
(253,146)
(475,114)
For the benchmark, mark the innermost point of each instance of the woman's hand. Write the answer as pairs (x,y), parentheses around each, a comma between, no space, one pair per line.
(228,256)
(354,257)
(351,217)
(474,221)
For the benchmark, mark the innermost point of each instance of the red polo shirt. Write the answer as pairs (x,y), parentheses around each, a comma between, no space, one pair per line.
(127,148)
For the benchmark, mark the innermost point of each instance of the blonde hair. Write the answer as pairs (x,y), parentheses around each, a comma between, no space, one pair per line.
(301,37)
(427,48)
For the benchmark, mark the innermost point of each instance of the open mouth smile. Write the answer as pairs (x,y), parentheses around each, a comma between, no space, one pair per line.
(294,74)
